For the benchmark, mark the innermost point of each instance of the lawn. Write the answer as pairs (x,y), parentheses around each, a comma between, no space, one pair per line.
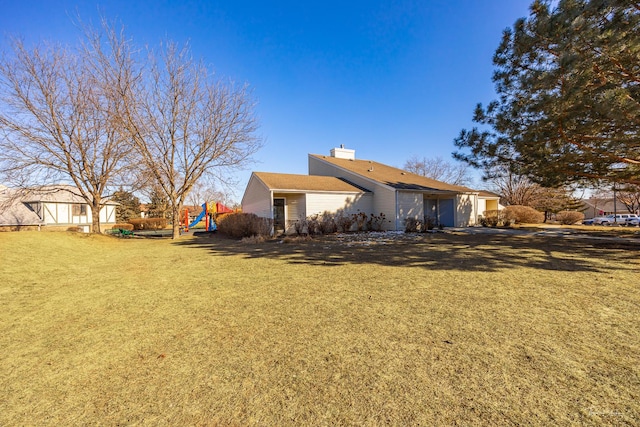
(438,329)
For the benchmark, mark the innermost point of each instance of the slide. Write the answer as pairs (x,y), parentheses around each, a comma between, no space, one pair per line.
(199,217)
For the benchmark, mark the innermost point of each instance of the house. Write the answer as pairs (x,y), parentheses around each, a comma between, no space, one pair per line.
(53,207)
(595,207)
(341,183)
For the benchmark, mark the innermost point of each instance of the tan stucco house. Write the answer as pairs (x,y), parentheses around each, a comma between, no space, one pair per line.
(341,183)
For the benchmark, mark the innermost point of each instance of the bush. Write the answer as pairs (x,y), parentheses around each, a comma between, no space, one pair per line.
(327,223)
(412,225)
(429,223)
(360,219)
(524,214)
(344,222)
(241,225)
(123,226)
(497,218)
(569,217)
(148,223)
(375,222)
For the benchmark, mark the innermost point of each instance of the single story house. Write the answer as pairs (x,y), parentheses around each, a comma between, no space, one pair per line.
(594,207)
(341,183)
(52,207)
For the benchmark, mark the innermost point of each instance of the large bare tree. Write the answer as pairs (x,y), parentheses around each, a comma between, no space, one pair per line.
(185,124)
(439,169)
(57,116)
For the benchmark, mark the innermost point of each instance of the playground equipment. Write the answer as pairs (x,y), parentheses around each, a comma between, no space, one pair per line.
(209,212)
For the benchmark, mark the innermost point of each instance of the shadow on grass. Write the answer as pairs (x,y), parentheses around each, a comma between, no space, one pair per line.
(441,251)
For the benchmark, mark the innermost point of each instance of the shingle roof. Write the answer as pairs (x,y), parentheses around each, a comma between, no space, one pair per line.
(293,182)
(485,193)
(393,177)
(14,212)
(56,194)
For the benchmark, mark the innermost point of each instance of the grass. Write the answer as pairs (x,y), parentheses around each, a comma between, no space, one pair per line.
(441,329)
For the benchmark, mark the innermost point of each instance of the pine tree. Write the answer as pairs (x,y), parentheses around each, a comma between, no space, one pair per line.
(568,108)
(129,205)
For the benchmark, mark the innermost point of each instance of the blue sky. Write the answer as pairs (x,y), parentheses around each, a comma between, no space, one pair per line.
(390,79)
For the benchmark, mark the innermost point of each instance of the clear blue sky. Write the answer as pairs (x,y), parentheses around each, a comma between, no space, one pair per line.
(390,79)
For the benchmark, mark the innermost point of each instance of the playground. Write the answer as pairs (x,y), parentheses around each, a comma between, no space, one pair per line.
(209,214)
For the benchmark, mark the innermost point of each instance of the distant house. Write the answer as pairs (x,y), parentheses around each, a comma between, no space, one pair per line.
(341,183)
(51,207)
(594,207)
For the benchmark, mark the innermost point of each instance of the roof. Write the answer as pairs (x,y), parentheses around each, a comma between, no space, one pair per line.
(486,194)
(393,177)
(293,182)
(56,194)
(14,212)
(605,205)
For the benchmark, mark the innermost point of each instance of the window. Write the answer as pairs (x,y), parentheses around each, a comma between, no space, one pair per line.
(79,210)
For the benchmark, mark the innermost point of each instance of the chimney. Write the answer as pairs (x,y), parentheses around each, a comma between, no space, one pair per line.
(343,153)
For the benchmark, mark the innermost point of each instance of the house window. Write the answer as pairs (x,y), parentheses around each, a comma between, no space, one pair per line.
(79,210)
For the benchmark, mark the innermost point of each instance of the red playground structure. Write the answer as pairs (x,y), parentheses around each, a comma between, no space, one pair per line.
(209,212)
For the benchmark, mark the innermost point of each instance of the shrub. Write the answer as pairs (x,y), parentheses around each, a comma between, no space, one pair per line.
(497,218)
(241,225)
(148,223)
(73,229)
(429,223)
(344,222)
(569,217)
(524,214)
(123,226)
(327,223)
(313,225)
(360,219)
(300,226)
(412,225)
(375,222)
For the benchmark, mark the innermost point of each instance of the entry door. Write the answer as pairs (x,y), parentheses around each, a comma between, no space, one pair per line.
(278,214)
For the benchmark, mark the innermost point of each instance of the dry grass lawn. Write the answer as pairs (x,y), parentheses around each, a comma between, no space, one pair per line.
(441,329)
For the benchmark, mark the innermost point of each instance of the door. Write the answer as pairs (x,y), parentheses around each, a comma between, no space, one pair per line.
(278,214)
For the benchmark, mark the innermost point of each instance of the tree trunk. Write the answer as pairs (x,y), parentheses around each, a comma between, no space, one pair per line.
(175,221)
(95,218)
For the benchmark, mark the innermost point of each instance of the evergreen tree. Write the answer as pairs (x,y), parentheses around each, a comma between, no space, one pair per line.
(129,205)
(568,108)
(158,206)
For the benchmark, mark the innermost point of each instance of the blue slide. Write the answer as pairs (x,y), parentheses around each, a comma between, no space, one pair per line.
(199,217)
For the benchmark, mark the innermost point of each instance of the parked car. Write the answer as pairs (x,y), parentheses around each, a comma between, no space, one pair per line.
(633,222)
(620,219)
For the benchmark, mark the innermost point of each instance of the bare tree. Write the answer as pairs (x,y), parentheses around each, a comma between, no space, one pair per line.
(441,170)
(201,192)
(57,117)
(515,189)
(630,197)
(185,124)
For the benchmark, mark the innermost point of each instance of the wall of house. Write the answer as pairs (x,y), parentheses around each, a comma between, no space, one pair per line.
(384,199)
(62,213)
(487,205)
(107,214)
(465,214)
(410,205)
(318,203)
(259,197)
